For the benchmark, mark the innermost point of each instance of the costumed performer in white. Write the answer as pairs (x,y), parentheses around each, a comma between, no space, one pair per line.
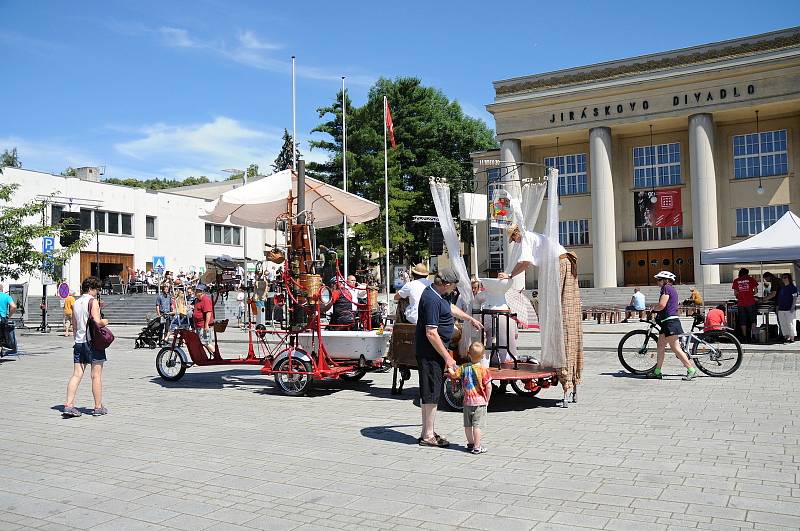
(531,250)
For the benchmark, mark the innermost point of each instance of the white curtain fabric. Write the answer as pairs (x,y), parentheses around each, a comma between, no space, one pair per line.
(441,201)
(525,214)
(551,321)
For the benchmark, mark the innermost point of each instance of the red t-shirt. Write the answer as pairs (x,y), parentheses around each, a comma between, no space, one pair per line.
(743,288)
(715,320)
(202,306)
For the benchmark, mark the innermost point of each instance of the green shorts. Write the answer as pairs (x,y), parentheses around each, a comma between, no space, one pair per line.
(475,416)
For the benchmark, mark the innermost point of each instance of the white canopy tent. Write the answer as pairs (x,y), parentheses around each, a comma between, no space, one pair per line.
(778,243)
(259,202)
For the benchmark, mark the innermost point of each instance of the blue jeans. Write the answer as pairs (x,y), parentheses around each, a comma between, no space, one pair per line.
(85,354)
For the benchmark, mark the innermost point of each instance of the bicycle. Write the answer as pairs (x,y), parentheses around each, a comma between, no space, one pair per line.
(716,352)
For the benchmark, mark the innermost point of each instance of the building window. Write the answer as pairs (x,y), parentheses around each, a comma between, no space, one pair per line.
(55,215)
(573,232)
(571,173)
(150,226)
(644,234)
(107,222)
(658,165)
(496,234)
(750,221)
(223,235)
(754,159)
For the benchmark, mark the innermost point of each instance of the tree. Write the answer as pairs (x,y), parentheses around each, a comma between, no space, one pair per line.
(69,172)
(434,138)
(17,255)
(10,159)
(284,159)
(157,184)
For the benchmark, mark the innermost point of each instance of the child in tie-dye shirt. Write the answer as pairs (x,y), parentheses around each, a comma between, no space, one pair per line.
(477,388)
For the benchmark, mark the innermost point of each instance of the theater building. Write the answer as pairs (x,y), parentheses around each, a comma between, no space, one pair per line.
(660,156)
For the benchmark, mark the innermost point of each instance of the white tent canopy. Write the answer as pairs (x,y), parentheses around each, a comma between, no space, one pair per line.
(778,243)
(259,202)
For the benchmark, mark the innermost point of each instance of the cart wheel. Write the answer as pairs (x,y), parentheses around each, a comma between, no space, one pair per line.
(170,365)
(520,389)
(293,384)
(354,376)
(453,394)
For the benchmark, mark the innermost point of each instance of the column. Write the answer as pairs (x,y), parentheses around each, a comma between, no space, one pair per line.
(704,194)
(511,153)
(604,242)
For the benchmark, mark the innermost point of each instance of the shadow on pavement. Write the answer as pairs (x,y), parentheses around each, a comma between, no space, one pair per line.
(623,374)
(389,434)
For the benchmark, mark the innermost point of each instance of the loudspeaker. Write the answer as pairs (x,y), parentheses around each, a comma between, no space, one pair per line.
(71,231)
(435,241)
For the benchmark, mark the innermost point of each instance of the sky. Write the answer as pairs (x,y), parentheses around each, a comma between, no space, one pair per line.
(180,88)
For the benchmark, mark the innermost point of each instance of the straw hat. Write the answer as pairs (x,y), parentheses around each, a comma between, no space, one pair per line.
(420,270)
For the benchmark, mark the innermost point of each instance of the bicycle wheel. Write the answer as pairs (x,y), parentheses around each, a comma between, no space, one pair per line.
(717,353)
(637,351)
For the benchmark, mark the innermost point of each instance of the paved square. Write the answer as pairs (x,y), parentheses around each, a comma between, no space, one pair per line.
(220,449)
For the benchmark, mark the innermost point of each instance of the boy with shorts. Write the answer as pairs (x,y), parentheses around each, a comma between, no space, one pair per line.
(476,384)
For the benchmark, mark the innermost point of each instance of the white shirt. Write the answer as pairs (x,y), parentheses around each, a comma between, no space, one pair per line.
(413,292)
(638,300)
(80,312)
(531,249)
(355,294)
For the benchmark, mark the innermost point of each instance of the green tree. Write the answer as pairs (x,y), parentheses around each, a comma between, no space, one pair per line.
(284,158)
(434,138)
(156,183)
(20,225)
(10,159)
(69,172)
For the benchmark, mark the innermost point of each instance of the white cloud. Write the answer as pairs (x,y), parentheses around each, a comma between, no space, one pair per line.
(48,155)
(252,51)
(202,149)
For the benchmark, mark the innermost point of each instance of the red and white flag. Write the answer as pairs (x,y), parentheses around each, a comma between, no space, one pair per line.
(390,125)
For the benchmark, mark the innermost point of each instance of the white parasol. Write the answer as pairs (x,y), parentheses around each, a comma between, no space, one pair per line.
(259,202)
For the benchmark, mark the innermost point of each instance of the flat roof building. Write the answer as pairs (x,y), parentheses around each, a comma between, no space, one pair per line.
(659,156)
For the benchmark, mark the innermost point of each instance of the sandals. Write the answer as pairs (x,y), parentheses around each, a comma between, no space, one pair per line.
(437,441)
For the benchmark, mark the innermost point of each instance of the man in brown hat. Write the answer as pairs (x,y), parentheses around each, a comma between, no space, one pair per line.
(413,291)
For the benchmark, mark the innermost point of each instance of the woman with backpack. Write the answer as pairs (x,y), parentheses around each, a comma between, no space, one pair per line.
(83,352)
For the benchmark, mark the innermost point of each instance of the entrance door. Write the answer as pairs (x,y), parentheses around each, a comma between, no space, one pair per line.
(658,260)
(684,265)
(635,268)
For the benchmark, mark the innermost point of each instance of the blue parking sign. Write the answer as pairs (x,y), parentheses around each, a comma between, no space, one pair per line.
(48,244)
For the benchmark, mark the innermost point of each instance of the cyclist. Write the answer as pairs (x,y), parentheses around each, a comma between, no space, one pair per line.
(671,329)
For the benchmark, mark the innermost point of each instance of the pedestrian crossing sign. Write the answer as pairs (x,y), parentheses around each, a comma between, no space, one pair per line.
(159,262)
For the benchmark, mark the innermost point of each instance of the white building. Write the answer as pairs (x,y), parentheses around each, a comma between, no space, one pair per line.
(135,225)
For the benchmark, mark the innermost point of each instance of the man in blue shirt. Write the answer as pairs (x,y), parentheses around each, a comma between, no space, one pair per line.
(7,334)
(434,330)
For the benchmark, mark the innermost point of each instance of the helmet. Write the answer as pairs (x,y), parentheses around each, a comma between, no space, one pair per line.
(666,275)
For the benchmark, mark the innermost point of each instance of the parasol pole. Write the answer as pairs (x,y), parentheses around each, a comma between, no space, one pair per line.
(294,120)
(344,168)
(386,198)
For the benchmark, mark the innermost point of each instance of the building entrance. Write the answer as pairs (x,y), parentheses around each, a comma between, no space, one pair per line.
(111,264)
(641,266)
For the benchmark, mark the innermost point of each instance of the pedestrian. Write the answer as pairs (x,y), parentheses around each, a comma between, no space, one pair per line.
(476,384)
(433,332)
(637,304)
(671,329)
(203,317)
(787,299)
(82,352)
(68,304)
(240,307)
(774,284)
(165,309)
(413,291)
(8,337)
(744,287)
(715,320)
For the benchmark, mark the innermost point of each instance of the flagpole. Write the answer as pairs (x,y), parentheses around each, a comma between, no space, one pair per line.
(344,167)
(294,120)
(386,198)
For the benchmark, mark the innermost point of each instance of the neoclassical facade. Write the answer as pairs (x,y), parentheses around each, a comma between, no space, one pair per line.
(660,156)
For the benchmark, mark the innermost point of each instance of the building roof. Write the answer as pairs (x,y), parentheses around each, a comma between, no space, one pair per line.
(212,190)
(707,53)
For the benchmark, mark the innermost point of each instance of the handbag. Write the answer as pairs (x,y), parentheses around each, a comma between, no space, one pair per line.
(100,337)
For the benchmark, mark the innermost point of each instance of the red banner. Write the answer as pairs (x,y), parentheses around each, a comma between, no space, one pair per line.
(390,125)
(668,208)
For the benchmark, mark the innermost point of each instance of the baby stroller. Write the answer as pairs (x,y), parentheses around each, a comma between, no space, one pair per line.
(151,335)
